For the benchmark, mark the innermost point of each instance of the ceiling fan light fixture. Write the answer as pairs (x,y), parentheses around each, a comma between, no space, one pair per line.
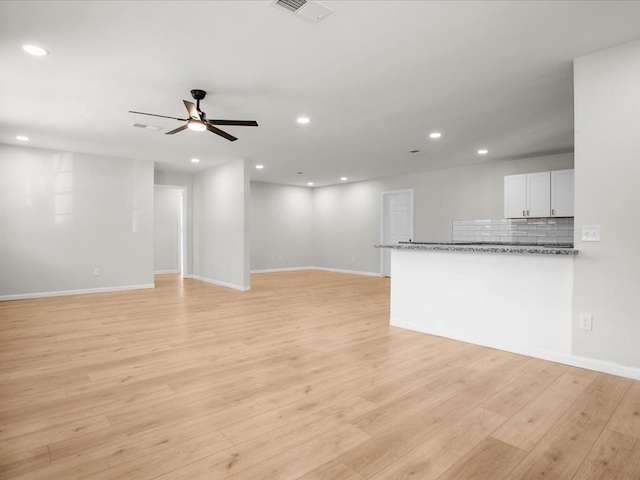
(196,125)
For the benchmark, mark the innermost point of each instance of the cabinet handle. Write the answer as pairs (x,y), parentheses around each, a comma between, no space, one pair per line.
(528,213)
(553,211)
(523,214)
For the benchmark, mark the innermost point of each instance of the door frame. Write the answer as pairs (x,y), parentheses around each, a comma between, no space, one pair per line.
(184,226)
(385,252)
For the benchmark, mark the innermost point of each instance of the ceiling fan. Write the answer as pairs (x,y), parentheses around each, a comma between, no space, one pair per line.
(198,120)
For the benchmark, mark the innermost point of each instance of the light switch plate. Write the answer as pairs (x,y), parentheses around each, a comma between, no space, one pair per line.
(590,233)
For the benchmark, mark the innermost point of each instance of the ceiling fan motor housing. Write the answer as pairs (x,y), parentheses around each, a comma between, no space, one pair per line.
(198,94)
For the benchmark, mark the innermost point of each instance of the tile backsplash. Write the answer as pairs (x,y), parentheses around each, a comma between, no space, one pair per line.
(514,230)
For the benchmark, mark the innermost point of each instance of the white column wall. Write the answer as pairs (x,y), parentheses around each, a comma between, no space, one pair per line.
(607,193)
(221,225)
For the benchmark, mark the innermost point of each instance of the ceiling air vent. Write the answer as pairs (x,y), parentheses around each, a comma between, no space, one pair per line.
(147,127)
(308,10)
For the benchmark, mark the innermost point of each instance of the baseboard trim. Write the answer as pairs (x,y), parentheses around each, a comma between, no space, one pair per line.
(165,272)
(84,291)
(324,269)
(351,272)
(566,359)
(284,269)
(220,283)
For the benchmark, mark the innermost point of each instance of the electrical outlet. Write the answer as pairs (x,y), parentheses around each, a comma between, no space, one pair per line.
(585,321)
(96,272)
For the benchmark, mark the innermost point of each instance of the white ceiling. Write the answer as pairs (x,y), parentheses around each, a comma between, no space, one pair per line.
(375,77)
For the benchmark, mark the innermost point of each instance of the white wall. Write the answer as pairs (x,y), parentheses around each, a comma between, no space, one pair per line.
(281,226)
(607,181)
(347,217)
(221,225)
(167,209)
(63,214)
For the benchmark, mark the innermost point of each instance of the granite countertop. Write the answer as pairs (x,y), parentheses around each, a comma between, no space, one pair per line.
(522,248)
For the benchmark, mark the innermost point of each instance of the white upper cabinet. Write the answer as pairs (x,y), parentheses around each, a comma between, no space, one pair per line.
(527,195)
(539,194)
(515,196)
(542,194)
(562,193)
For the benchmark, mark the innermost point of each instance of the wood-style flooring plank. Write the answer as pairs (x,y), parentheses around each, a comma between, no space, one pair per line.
(615,456)
(562,450)
(300,378)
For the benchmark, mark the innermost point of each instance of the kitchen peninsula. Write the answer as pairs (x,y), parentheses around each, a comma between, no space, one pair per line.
(514,297)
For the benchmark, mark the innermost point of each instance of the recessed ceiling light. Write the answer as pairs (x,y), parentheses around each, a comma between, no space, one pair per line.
(416,152)
(303,120)
(35,50)
(310,184)
(299,173)
(259,167)
(22,138)
(195,160)
(483,151)
(344,179)
(435,135)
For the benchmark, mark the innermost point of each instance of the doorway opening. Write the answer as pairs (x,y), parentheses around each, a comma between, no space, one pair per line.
(170,230)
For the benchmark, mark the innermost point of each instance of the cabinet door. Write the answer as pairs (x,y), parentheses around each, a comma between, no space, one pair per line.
(539,194)
(562,193)
(515,196)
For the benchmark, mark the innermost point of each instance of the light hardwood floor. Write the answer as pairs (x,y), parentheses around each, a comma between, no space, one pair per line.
(302,377)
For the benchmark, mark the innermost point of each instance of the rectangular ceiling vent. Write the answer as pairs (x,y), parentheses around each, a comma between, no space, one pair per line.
(308,10)
(147,127)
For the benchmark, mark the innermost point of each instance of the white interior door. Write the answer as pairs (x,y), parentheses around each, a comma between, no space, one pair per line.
(397,223)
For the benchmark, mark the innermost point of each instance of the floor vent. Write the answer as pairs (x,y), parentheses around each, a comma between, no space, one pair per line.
(308,10)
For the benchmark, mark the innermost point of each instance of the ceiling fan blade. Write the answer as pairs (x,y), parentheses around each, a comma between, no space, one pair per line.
(163,116)
(217,131)
(193,111)
(240,123)
(179,129)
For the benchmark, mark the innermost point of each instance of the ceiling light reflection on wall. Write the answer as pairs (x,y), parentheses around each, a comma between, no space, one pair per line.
(195,160)
(344,179)
(35,50)
(259,167)
(435,135)
(483,151)
(303,120)
(310,184)
(22,138)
